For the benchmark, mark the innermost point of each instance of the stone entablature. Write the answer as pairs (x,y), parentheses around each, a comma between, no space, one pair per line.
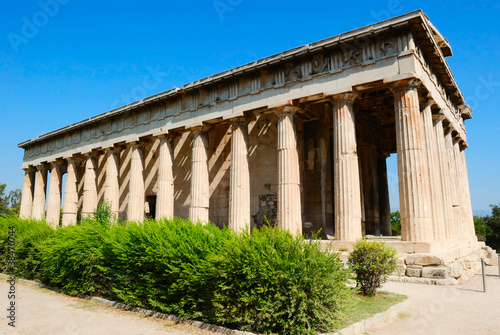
(376,55)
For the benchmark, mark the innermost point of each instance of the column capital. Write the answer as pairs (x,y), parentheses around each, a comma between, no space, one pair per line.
(77,158)
(137,144)
(428,103)
(42,166)
(239,120)
(57,163)
(438,116)
(287,109)
(116,149)
(30,168)
(201,129)
(93,153)
(405,85)
(169,136)
(346,97)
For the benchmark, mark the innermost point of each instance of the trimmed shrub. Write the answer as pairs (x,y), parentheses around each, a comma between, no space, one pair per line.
(372,262)
(272,282)
(72,259)
(147,263)
(268,281)
(28,234)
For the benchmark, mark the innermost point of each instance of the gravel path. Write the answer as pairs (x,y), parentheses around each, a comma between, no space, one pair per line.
(41,311)
(443,310)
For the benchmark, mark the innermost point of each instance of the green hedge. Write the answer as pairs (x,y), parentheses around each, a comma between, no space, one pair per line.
(268,281)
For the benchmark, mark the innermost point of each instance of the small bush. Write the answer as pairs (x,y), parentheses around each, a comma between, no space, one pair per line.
(102,215)
(372,262)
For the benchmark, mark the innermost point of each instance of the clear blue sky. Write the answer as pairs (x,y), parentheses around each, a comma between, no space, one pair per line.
(62,64)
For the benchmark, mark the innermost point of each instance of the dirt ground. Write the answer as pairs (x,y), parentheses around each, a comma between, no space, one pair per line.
(433,310)
(41,311)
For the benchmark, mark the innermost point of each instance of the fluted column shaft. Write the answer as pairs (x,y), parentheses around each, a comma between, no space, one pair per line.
(200,183)
(469,216)
(38,211)
(165,184)
(346,171)
(28,193)
(54,198)
(136,192)
(434,173)
(414,193)
(462,222)
(112,183)
(289,204)
(90,187)
(452,172)
(384,203)
(239,184)
(70,206)
(446,189)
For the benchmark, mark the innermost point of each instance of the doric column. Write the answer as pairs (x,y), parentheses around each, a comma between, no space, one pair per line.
(70,207)
(346,170)
(136,191)
(434,174)
(112,183)
(239,184)
(90,186)
(289,204)
(28,193)
(451,170)
(443,166)
(368,157)
(414,194)
(165,184)
(469,216)
(38,211)
(54,198)
(200,184)
(384,203)
(462,222)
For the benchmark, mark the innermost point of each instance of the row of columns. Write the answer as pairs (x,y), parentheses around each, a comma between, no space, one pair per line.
(34,189)
(433,186)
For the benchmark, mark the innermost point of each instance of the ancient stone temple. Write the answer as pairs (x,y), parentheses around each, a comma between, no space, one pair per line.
(300,138)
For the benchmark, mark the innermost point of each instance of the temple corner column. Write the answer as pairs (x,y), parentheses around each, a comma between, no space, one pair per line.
(40,193)
(28,193)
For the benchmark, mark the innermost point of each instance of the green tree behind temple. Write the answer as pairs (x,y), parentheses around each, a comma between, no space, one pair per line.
(396,223)
(493,224)
(4,208)
(9,204)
